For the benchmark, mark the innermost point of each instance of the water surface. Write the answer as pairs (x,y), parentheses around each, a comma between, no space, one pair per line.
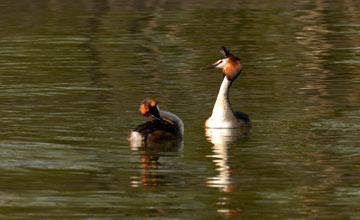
(72,74)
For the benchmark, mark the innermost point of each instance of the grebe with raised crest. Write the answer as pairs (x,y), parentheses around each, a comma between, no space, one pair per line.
(222,115)
(164,126)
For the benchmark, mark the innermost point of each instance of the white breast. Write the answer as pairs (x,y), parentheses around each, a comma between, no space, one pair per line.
(135,139)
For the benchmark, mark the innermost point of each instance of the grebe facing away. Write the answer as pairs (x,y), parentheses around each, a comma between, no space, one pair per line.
(222,115)
(164,126)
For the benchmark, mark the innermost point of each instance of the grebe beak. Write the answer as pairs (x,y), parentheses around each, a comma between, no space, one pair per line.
(211,66)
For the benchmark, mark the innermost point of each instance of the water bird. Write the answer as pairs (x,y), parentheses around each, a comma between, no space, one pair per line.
(222,115)
(164,126)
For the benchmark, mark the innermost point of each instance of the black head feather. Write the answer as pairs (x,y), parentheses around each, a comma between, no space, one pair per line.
(225,51)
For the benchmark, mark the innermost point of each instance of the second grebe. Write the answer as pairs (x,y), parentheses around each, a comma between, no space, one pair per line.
(164,126)
(222,115)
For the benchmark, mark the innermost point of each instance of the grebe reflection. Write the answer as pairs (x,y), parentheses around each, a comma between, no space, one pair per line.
(221,140)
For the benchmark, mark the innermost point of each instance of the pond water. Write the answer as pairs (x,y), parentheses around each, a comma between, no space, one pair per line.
(72,75)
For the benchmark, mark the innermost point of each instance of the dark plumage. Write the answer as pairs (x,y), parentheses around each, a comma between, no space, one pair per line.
(243,116)
(164,126)
(225,51)
(153,129)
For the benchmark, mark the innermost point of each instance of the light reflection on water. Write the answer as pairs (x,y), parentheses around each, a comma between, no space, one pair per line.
(221,140)
(71,75)
(153,158)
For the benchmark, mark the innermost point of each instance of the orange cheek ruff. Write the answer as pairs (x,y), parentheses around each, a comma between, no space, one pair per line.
(144,110)
(152,102)
(232,68)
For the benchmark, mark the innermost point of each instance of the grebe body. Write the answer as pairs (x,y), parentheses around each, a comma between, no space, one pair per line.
(164,126)
(222,115)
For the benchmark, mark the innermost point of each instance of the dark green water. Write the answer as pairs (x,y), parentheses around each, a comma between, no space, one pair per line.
(72,74)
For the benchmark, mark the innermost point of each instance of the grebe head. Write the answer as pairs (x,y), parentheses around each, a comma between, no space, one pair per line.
(230,65)
(218,64)
(148,107)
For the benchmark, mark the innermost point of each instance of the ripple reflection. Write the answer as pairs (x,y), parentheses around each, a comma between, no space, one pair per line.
(221,140)
(153,172)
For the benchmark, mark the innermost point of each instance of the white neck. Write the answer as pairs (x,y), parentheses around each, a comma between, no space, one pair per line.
(222,115)
(222,105)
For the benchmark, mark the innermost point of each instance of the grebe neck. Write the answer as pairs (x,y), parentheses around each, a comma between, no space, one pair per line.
(174,119)
(222,101)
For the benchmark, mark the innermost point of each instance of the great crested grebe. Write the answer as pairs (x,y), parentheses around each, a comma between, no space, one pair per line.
(222,115)
(164,126)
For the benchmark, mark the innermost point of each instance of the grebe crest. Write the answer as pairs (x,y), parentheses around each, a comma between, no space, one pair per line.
(222,115)
(164,126)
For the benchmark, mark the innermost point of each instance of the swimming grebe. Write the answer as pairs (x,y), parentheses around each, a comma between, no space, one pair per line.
(164,126)
(222,115)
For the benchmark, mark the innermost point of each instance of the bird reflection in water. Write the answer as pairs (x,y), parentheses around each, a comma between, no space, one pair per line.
(150,166)
(222,138)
